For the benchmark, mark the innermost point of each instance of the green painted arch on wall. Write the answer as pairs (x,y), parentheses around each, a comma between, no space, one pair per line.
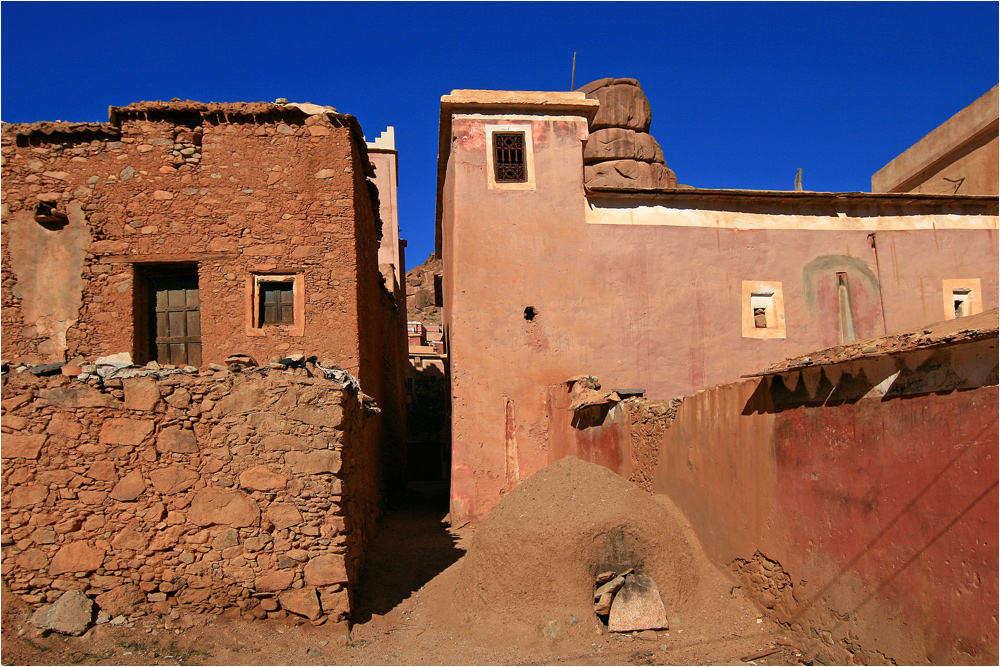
(824,265)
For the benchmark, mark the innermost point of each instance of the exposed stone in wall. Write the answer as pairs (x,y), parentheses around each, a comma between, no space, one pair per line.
(616,143)
(629,174)
(620,152)
(623,104)
(647,420)
(207,492)
(767,583)
(238,188)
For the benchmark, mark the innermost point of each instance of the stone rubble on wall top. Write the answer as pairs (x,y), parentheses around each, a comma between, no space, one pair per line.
(120,367)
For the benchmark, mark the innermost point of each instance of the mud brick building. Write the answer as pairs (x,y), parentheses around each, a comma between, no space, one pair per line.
(961,156)
(610,268)
(611,273)
(183,233)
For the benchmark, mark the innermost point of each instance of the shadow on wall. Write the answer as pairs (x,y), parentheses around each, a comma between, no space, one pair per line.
(943,371)
(875,543)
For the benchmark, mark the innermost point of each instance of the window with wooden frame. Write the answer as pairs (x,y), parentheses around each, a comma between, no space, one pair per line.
(276,303)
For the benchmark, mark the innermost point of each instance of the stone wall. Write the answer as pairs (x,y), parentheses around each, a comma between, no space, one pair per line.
(201,492)
(266,189)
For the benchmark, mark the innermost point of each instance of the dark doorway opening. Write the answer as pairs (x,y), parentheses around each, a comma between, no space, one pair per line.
(168,314)
(428,437)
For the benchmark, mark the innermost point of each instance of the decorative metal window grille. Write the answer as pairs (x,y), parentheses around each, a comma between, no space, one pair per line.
(508,157)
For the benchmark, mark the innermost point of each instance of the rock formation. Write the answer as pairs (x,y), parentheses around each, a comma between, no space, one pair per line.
(421,291)
(620,152)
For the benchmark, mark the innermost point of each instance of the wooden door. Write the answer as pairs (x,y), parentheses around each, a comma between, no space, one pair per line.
(178,320)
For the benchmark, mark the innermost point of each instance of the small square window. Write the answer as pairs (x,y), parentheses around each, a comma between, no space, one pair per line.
(763,310)
(509,157)
(277,304)
(962,297)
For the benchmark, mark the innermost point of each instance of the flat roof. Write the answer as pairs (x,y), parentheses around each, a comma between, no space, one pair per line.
(692,194)
(523,101)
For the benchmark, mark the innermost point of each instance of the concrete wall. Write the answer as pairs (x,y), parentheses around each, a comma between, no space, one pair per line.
(959,156)
(644,290)
(220,492)
(878,508)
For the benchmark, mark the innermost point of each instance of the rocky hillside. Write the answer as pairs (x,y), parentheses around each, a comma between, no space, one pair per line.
(421,304)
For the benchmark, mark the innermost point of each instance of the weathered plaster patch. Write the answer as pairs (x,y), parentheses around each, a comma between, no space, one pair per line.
(828,265)
(48,265)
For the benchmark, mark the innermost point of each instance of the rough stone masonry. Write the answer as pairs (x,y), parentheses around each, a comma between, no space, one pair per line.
(205,490)
(199,491)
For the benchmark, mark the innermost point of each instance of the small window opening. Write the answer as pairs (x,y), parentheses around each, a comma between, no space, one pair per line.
(960,299)
(509,157)
(848,331)
(277,303)
(529,313)
(762,307)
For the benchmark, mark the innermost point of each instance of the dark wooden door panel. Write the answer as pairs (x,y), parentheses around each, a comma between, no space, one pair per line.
(178,320)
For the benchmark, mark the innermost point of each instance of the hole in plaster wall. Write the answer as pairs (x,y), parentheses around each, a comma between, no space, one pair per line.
(48,215)
(529,313)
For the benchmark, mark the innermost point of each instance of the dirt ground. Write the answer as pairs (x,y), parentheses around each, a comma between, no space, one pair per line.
(431,595)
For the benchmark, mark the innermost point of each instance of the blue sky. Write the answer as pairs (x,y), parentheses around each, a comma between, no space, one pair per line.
(742,94)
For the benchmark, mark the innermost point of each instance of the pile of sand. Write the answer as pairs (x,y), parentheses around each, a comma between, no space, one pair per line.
(532,562)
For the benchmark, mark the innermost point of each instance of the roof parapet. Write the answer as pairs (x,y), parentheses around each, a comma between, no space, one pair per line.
(385,141)
(520,101)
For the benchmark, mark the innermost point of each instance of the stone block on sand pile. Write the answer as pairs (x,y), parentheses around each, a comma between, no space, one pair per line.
(637,606)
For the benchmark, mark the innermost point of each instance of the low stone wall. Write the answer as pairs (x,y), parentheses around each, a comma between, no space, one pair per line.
(211,492)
